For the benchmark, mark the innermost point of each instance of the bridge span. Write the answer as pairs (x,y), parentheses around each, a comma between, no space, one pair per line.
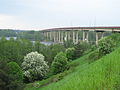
(72,33)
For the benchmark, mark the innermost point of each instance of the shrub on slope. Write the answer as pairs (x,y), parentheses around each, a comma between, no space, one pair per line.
(59,63)
(108,44)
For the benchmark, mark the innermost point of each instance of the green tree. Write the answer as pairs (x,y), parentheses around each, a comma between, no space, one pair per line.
(49,51)
(60,63)
(68,44)
(15,71)
(9,81)
(106,45)
(54,49)
(80,48)
(14,50)
(70,53)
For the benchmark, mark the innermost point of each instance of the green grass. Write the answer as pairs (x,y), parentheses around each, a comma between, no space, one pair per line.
(103,74)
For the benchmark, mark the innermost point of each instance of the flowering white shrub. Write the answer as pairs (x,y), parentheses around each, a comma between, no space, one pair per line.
(34,66)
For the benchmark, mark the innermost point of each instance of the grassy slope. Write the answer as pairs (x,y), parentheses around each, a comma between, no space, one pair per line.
(103,74)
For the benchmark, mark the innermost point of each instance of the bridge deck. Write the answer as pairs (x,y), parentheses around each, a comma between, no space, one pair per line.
(116,28)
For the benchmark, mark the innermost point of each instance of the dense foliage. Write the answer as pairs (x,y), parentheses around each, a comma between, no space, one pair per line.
(70,53)
(49,51)
(80,48)
(34,66)
(106,45)
(31,35)
(68,44)
(15,71)
(14,50)
(60,63)
(10,78)
(7,33)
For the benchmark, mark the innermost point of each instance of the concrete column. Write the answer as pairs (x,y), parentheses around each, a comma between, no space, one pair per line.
(59,37)
(48,38)
(62,36)
(54,38)
(44,35)
(102,35)
(50,33)
(69,35)
(83,35)
(77,37)
(47,34)
(97,38)
(87,36)
(66,36)
(73,36)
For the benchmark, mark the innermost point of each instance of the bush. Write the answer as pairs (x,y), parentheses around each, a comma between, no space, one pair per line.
(70,53)
(49,51)
(4,80)
(68,44)
(80,48)
(106,45)
(15,71)
(60,63)
(34,66)
(9,77)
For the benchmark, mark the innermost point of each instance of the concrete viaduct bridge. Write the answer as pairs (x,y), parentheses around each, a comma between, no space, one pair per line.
(72,33)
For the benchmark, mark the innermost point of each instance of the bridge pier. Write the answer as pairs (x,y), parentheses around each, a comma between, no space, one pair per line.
(73,36)
(77,37)
(85,35)
(62,37)
(54,39)
(56,36)
(99,35)
(69,35)
(97,38)
(66,35)
(50,33)
(59,36)
(47,35)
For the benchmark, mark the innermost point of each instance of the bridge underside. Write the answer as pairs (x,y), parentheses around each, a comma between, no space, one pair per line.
(60,35)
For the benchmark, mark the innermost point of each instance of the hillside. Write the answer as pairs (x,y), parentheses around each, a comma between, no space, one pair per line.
(103,74)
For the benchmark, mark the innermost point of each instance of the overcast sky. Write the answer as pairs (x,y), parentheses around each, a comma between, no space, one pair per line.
(41,14)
